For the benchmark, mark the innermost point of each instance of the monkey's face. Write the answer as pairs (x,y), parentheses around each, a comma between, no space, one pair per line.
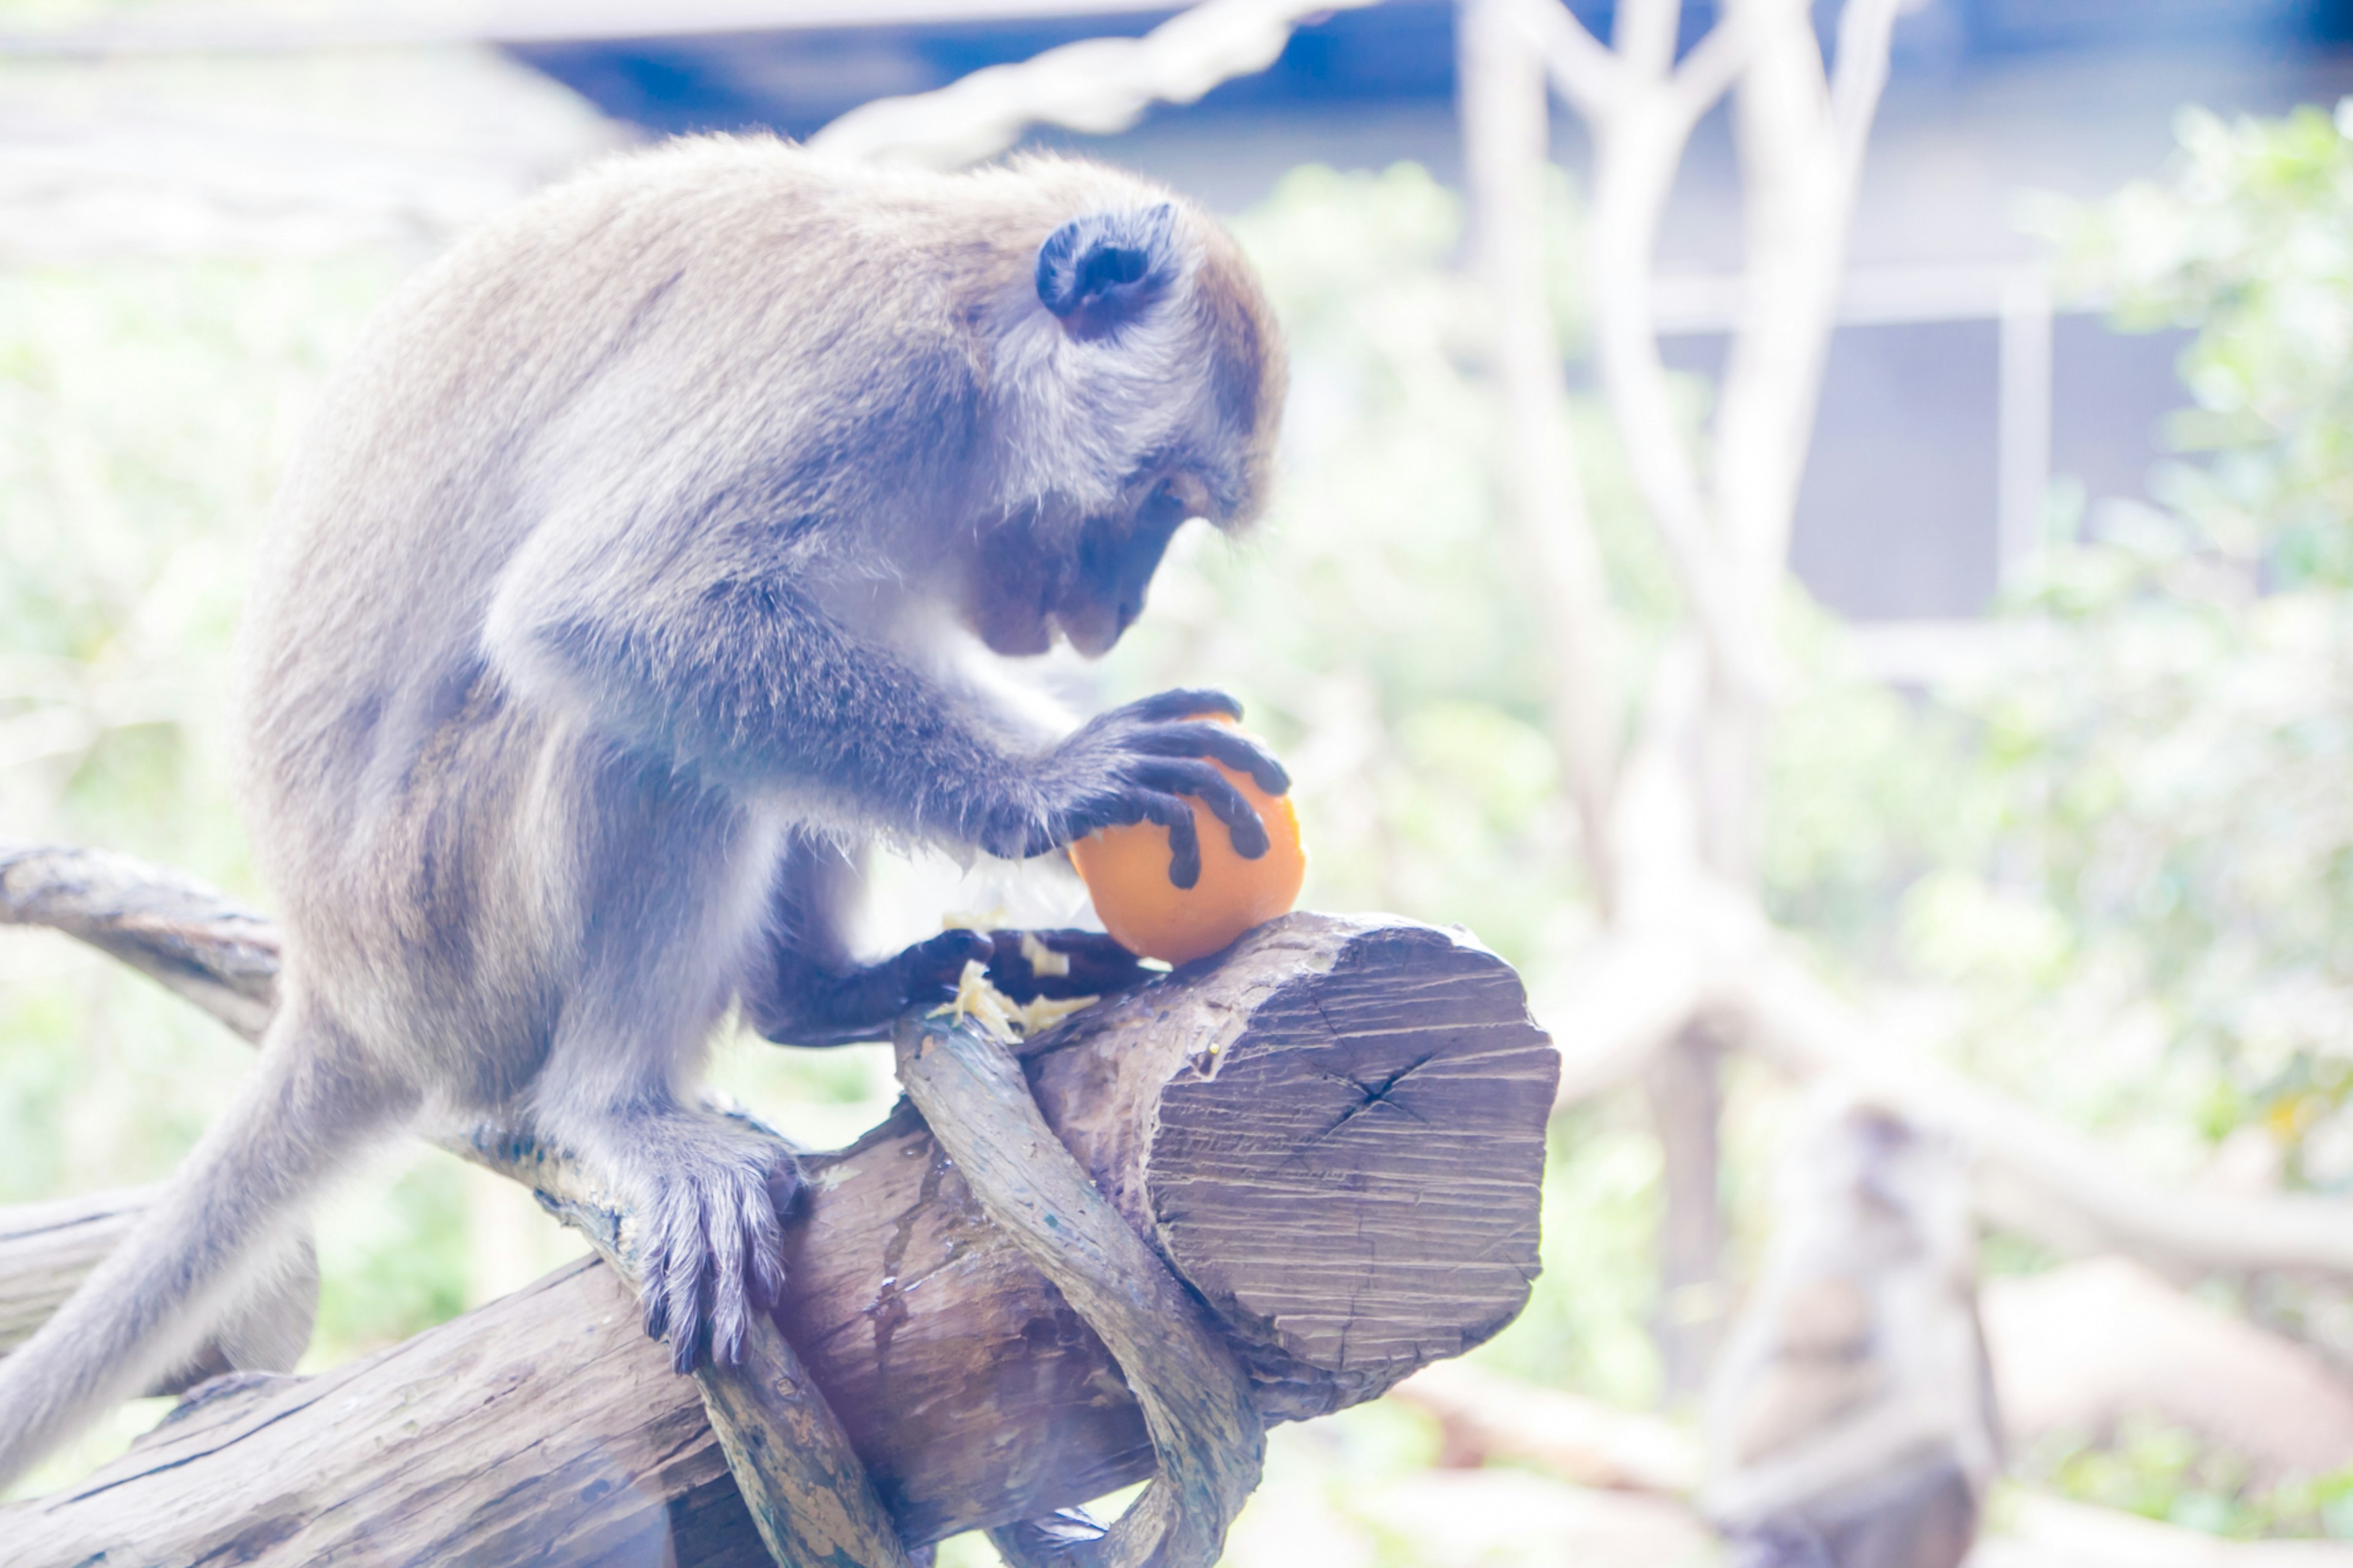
(1135,381)
(1033,578)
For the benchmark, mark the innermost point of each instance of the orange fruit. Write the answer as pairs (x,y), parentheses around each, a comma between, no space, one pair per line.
(1126,871)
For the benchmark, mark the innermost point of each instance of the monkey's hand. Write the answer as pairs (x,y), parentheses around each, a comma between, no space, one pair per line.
(864,1005)
(814,1007)
(1082,964)
(1137,764)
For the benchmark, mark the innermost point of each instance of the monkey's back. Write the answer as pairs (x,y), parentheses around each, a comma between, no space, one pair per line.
(716,327)
(414,815)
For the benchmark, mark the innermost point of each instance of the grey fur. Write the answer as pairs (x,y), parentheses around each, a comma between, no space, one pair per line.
(603,610)
(1851,1416)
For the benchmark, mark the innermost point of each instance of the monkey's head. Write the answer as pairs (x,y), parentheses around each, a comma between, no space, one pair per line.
(1136,382)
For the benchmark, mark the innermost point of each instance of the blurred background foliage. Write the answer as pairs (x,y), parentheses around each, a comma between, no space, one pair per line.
(2118,859)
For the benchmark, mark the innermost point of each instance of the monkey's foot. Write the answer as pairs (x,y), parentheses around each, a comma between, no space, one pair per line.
(709,1249)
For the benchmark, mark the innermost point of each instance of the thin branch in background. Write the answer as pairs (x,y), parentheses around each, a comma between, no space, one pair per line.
(1727,538)
(1583,70)
(1800,139)
(1504,152)
(1642,36)
(1641,111)
(1097,85)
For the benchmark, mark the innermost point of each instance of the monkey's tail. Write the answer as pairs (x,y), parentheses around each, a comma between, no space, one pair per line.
(221,1227)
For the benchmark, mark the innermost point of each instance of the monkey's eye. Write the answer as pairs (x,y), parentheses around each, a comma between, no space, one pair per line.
(1164,507)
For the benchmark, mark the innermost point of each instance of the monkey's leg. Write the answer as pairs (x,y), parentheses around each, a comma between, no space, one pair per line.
(706,1191)
(208,1243)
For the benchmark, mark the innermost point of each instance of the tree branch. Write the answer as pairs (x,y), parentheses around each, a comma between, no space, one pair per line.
(807,1491)
(1866,28)
(1583,71)
(1714,64)
(1504,137)
(175,930)
(1195,1400)
(1097,85)
(2080,1191)
(1332,1137)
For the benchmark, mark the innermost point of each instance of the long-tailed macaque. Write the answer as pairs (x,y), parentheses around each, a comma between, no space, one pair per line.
(1852,1421)
(618,592)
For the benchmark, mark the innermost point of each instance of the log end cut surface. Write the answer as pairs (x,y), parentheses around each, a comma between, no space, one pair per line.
(1345,1161)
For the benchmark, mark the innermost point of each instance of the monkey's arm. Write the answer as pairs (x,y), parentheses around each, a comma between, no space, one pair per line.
(803,988)
(732,667)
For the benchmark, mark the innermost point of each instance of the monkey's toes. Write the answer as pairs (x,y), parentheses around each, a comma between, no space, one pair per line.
(713,1253)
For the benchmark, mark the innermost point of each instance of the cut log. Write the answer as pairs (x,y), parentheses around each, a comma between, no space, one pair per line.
(1333,1134)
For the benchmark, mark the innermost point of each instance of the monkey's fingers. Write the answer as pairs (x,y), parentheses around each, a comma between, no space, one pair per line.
(1184,776)
(1182,703)
(751,1276)
(1219,741)
(764,1243)
(1171,812)
(1094,965)
(936,964)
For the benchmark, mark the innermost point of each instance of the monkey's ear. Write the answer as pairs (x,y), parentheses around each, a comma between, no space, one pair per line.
(1096,272)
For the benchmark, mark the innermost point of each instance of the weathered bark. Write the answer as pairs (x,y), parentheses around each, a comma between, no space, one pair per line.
(184,935)
(1334,1136)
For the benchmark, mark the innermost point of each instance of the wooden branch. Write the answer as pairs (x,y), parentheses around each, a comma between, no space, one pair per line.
(1708,952)
(1333,1136)
(1714,64)
(1195,1399)
(46,1248)
(2075,1192)
(1504,153)
(1642,36)
(808,1497)
(1801,139)
(2080,1347)
(1865,30)
(1583,70)
(172,929)
(1486,1415)
(1640,124)
(1096,85)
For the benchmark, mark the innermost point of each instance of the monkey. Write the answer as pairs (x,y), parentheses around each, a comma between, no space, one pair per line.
(634,576)
(1852,1421)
